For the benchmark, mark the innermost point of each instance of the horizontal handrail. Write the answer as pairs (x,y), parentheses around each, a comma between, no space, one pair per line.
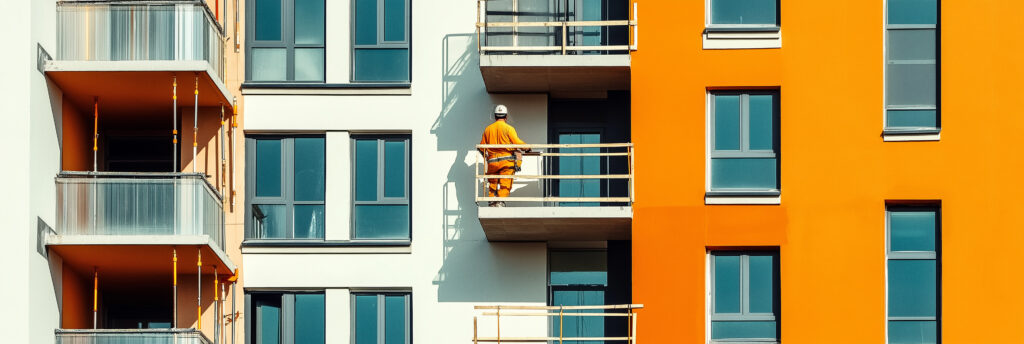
(558,333)
(559,23)
(482,24)
(555,145)
(131,336)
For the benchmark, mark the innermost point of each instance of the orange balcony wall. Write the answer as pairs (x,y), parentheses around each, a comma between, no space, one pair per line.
(836,172)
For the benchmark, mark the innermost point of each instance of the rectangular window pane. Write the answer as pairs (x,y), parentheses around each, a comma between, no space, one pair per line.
(268,318)
(913,11)
(912,288)
(381,221)
(909,83)
(382,64)
(366,319)
(309,21)
(268,64)
(745,173)
(309,221)
(366,170)
(309,168)
(743,12)
(271,221)
(912,230)
(912,44)
(578,268)
(761,122)
(310,318)
(366,22)
(743,329)
(727,284)
(268,168)
(268,20)
(727,122)
(309,64)
(394,20)
(762,284)
(394,169)
(912,119)
(394,319)
(913,332)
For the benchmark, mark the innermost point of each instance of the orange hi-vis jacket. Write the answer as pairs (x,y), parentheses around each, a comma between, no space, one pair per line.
(500,133)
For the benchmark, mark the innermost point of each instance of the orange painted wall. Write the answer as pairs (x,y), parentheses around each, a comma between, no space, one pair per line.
(836,172)
(76,300)
(76,139)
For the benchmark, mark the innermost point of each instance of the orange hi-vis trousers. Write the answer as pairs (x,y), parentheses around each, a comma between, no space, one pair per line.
(500,186)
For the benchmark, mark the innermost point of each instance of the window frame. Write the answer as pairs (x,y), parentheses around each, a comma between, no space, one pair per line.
(381,42)
(744,150)
(286,42)
(287,320)
(915,255)
(381,313)
(711,26)
(887,28)
(287,197)
(745,314)
(381,198)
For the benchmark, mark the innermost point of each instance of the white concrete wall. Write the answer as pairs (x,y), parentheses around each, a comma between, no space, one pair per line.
(450,267)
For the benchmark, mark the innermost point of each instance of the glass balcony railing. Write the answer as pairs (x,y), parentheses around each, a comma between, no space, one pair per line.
(131,336)
(542,27)
(114,203)
(139,31)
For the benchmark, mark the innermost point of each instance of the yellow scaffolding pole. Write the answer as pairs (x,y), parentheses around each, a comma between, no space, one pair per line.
(174,274)
(95,130)
(95,294)
(199,291)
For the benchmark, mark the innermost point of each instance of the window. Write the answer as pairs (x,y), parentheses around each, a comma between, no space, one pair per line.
(913,274)
(578,278)
(381,318)
(744,143)
(285,180)
(286,318)
(381,41)
(285,41)
(744,13)
(744,297)
(381,182)
(911,75)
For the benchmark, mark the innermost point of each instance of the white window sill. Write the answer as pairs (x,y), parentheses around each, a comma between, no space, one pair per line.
(910,137)
(737,38)
(753,200)
(328,250)
(356,89)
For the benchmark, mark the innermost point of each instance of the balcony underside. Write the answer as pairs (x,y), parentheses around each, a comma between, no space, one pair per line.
(128,86)
(140,255)
(572,75)
(556,223)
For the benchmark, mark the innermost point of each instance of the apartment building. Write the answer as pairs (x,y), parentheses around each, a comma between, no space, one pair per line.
(828,172)
(366,217)
(123,134)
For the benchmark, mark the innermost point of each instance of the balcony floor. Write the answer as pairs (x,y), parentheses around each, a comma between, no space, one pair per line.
(555,73)
(139,255)
(556,223)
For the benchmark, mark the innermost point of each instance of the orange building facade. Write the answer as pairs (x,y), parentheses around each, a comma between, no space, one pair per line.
(839,170)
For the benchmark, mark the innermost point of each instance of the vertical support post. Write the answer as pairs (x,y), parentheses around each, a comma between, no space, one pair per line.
(561,323)
(95,294)
(629,326)
(95,130)
(634,328)
(220,312)
(216,305)
(498,316)
(234,127)
(636,31)
(223,159)
(515,21)
(233,311)
(174,106)
(199,291)
(564,34)
(474,331)
(195,125)
(478,28)
(175,287)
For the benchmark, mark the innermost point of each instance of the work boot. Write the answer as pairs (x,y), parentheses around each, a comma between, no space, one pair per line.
(499,204)
(492,204)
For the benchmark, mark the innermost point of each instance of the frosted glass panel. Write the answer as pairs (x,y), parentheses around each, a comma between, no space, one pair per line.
(273,224)
(910,83)
(309,64)
(912,44)
(268,64)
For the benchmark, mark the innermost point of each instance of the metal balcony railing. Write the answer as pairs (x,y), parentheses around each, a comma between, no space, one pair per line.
(131,336)
(113,203)
(565,323)
(182,30)
(566,174)
(554,28)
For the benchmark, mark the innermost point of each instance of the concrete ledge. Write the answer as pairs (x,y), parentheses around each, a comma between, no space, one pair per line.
(594,74)
(617,60)
(141,240)
(556,223)
(197,66)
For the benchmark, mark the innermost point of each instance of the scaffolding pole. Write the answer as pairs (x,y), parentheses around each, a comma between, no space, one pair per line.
(174,282)
(216,307)
(174,121)
(95,294)
(95,130)
(199,290)
(195,125)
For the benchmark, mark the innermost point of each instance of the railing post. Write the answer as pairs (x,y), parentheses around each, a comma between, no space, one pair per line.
(498,316)
(174,120)
(474,331)
(174,284)
(199,289)
(564,35)
(561,323)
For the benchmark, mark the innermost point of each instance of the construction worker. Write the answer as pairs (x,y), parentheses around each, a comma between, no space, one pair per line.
(501,161)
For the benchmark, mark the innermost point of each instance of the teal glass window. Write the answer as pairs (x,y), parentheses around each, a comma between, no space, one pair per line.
(285,41)
(287,176)
(911,66)
(381,41)
(381,202)
(744,142)
(913,274)
(745,12)
(579,165)
(578,278)
(381,318)
(744,296)
(286,318)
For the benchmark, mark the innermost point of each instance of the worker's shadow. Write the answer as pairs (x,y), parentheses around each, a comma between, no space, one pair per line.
(473,269)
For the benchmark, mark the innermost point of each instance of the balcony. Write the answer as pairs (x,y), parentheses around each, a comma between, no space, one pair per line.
(105,215)
(570,192)
(538,324)
(131,52)
(541,46)
(131,336)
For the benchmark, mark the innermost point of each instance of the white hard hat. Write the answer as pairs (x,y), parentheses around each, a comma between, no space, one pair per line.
(500,111)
